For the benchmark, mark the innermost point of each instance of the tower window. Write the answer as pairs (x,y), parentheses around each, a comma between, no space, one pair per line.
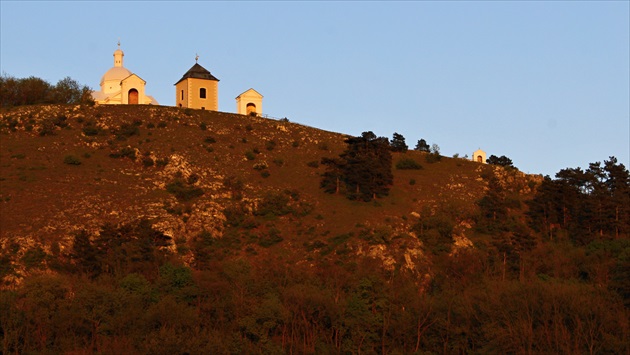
(202,93)
(182,95)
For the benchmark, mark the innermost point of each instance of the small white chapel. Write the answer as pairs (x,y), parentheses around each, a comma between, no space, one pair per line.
(119,86)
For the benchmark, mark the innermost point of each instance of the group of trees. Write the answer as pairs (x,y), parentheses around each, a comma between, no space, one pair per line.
(363,171)
(584,204)
(33,91)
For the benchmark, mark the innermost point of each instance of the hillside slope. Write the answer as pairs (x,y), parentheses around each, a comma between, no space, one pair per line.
(158,230)
(69,168)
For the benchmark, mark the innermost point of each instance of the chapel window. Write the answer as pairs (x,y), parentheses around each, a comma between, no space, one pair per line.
(202,93)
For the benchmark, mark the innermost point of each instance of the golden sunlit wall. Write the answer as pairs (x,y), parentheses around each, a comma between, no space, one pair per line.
(189,94)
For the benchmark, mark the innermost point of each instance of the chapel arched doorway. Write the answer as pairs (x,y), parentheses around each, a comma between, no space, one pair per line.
(251,108)
(132,97)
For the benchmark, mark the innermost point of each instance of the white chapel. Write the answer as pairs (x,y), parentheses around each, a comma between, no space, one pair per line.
(119,86)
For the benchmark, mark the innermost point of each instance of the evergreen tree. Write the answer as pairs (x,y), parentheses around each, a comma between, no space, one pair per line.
(365,168)
(502,161)
(422,146)
(398,143)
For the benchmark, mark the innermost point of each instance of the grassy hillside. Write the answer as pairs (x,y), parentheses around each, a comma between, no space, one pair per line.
(141,229)
(66,168)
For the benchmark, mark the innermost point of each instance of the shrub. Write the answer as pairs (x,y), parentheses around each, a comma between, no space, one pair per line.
(127,152)
(265,173)
(269,145)
(433,158)
(275,204)
(408,164)
(161,124)
(71,160)
(250,155)
(161,162)
(150,125)
(271,237)
(313,164)
(127,130)
(203,126)
(91,130)
(183,191)
(147,161)
(261,166)
(295,144)
(278,162)
(210,140)
(48,128)
(249,127)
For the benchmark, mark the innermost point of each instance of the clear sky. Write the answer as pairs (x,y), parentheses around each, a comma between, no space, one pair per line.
(545,83)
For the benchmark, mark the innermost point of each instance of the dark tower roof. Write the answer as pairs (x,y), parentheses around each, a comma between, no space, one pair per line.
(197,72)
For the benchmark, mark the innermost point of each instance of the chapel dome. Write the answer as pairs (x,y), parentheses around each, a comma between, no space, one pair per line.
(115,73)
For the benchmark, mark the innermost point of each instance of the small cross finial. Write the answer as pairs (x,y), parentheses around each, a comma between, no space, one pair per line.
(118,42)
(196,57)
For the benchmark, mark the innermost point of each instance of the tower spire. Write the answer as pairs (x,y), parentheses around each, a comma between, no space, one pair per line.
(118,56)
(196,57)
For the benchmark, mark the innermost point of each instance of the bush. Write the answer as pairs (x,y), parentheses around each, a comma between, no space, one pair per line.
(91,131)
(48,128)
(127,130)
(250,155)
(275,204)
(126,152)
(270,238)
(161,162)
(313,164)
(147,161)
(183,191)
(269,145)
(71,160)
(210,140)
(433,158)
(408,164)
(261,166)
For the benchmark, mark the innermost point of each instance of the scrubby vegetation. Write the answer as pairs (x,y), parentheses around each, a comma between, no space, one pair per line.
(174,250)
(34,91)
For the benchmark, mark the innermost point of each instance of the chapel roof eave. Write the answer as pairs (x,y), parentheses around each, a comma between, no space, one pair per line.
(197,72)
(249,90)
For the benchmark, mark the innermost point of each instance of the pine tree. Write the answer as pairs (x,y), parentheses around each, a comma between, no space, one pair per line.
(398,143)
(364,168)
(422,146)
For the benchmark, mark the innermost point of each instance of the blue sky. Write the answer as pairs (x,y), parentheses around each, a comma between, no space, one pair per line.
(545,83)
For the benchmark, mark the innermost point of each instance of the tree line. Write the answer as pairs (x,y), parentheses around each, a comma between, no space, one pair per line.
(34,91)
(123,293)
